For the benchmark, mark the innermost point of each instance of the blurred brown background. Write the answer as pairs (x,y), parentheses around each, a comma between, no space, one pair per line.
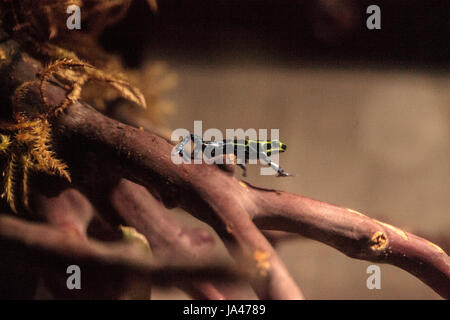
(365,114)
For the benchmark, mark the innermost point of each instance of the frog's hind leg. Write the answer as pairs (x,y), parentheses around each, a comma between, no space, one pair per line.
(273,165)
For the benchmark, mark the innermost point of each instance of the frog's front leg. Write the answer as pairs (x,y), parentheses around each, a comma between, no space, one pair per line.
(179,149)
(198,144)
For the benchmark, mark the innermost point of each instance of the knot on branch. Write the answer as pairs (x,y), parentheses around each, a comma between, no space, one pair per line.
(379,241)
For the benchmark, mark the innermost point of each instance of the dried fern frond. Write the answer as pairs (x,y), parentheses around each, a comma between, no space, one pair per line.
(28,148)
(75,74)
(10,182)
(4,144)
(45,159)
(27,165)
(40,28)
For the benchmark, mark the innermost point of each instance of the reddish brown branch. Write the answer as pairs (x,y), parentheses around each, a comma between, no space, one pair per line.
(230,206)
(66,208)
(42,247)
(356,235)
(241,236)
(145,158)
(167,237)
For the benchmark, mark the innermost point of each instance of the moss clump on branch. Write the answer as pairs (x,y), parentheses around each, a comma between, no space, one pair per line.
(40,29)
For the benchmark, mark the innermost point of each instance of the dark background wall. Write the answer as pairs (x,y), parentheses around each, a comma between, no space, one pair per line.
(414,33)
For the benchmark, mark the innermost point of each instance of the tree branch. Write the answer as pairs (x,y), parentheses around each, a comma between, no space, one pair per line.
(145,159)
(167,237)
(38,246)
(356,235)
(230,205)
